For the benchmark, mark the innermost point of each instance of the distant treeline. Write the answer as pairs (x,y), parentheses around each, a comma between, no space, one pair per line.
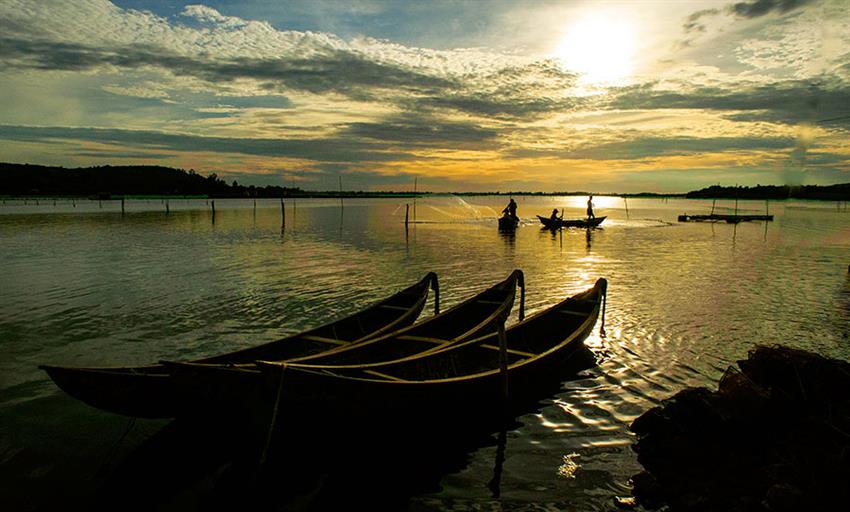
(138,180)
(150,180)
(840,192)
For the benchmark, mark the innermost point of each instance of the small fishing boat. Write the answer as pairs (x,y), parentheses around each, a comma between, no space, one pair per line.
(208,387)
(730,219)
(508,223)
(550,223)
(148,392)
(470,382)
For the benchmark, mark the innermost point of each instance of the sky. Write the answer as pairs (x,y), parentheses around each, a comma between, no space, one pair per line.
(456,95)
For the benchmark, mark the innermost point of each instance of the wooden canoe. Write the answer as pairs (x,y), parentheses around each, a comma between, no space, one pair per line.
(462,383)
(549,223)
(508,223)
(148,392)
(208,386)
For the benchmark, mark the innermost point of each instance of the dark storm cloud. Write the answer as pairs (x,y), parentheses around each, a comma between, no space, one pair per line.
(333,71)
(762,7)
(790,102)
(655,147)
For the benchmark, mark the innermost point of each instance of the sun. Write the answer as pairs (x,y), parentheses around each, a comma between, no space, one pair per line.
(600,49)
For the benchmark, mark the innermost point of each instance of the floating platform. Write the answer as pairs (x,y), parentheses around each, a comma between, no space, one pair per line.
(716,217)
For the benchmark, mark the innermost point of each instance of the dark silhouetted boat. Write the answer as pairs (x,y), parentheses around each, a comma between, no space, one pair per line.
(508,223)
(550,223)
(462,384)
(147,391)
(717,217)
(210,386)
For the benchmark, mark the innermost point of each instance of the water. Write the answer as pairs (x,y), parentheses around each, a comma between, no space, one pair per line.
(83,285)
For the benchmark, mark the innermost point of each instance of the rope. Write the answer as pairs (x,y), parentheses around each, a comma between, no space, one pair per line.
(273,423)
(130,424)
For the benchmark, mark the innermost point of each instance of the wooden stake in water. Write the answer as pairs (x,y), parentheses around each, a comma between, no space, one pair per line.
(340,192)
(626,202)
(415,182)
(406,214)
(122,205)
(503,364)
(713,203)
(736,199)
(282,214)
(767,206)
(167,207)
(213,211)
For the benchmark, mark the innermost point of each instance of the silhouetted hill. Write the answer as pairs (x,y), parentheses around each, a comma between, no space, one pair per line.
(840,192)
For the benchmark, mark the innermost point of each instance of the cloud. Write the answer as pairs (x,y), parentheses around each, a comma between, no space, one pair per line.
(319,149)
(790,102)
(692,22)
(424,131)
(639,147)
(762,7)
(387,140)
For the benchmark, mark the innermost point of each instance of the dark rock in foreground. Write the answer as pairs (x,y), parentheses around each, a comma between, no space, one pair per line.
(775,436)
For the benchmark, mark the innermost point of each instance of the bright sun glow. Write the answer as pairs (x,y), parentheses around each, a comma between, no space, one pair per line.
(599,48)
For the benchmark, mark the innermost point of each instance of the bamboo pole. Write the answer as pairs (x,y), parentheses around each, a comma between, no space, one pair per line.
(503,364)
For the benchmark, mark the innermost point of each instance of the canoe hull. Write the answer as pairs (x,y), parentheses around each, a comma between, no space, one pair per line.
(327,397)
(507,223)
(149,392)
(206,387)
(549,223)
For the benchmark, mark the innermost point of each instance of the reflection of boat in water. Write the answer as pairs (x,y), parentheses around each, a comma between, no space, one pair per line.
(462,382)
(508,223)
(570,223)
(148,392)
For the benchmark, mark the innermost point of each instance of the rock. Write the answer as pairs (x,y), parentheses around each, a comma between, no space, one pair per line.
(775,436)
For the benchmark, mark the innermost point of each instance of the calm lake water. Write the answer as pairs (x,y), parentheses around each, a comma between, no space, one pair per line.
(83,285)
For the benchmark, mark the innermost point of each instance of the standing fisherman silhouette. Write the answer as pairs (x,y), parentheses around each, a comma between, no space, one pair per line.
(590,214)
(510,209)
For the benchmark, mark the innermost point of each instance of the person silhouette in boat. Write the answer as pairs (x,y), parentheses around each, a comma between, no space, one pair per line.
(554,217)
(510,209)
(590,214)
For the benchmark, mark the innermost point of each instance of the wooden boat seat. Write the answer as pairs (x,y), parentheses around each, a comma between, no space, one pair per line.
(574,313)
(322,339)
(435,341)
(399,308)
(510,351)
